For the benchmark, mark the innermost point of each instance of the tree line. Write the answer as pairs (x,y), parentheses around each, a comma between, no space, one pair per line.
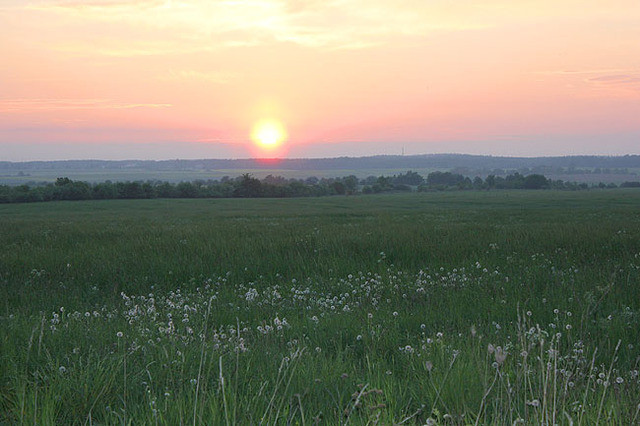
(248,186)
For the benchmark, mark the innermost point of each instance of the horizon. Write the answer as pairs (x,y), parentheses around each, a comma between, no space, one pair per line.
(114,152)
(276,160)
(161,79)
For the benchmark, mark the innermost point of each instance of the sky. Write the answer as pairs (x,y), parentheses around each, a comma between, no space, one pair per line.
(162,79)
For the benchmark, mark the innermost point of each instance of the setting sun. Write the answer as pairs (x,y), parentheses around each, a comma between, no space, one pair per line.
(268,134)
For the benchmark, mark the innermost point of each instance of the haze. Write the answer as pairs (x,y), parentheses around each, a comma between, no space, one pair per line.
(115,79)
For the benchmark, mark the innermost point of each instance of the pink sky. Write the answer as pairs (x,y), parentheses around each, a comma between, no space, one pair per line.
(160,79)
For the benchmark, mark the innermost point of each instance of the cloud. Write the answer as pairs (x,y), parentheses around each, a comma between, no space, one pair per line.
(211,77)
(583,71)
(206,25)
(616,79)
(30,105)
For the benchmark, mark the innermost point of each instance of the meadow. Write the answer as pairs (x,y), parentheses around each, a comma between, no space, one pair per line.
(494,307)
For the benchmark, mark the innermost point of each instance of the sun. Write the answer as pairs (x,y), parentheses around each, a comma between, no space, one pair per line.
(268,134)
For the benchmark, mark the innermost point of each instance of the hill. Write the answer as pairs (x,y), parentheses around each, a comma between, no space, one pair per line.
(578,168)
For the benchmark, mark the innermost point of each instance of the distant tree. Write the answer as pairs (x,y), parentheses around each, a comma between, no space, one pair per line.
(369,180)
(105,191)
(130,190)
(444,178)
(74,190)
(62,181)
(350,183)
(339,188)
(165,190)
(187,190)
(478,183)
(148,190)
(409,178)
(248,186)
(274,180)
(311,180)
(5,194)
(536,181)
(514,181)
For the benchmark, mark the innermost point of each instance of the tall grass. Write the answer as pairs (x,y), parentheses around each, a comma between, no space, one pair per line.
(474,308)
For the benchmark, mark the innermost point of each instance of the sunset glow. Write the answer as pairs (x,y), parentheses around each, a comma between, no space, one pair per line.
(268,134)
(190,78)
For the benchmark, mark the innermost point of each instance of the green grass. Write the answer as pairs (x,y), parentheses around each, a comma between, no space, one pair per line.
(380,296)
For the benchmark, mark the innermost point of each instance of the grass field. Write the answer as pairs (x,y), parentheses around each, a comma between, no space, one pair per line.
(436,308)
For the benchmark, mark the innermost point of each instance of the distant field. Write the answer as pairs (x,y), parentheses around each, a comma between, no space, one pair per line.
(437,308)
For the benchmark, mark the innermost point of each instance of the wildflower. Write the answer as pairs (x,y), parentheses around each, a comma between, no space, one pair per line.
(500,355)
(395,313)
(534,403)
(193,381)
(119,334)
(428,365)
(619,380)
(359,337)
(370,315)
(62,369)
(407,349)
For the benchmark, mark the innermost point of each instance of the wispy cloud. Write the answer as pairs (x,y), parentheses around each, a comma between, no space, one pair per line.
(332,24)
(29,105)
(211,76)
(583,71)
(616,79)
